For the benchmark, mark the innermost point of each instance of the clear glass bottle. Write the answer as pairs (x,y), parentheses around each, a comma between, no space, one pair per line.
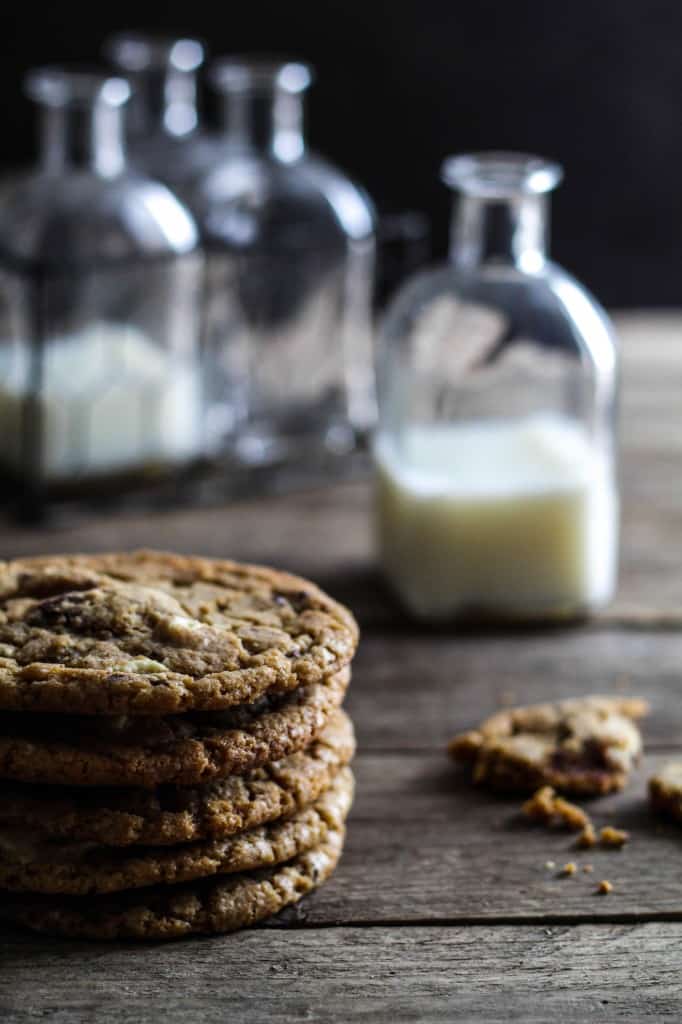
(165,140)
(100,278)
(300,372)
(496,485)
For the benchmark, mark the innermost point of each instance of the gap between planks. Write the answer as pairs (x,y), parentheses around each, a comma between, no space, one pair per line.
(482,921)
(26,938)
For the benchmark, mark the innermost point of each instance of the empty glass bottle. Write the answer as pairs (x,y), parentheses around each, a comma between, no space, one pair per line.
(300,371)
(165,140)
(497,384)
(100,277)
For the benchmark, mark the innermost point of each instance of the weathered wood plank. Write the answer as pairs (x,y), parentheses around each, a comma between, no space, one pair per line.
(430,975)
(317,527)
(413,691)
(424,845)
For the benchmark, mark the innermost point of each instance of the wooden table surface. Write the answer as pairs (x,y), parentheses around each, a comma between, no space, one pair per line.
(443,908)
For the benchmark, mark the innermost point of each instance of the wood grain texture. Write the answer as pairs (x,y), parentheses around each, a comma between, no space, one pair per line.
(384,975)
(424,845)
(413,691)
(442,908)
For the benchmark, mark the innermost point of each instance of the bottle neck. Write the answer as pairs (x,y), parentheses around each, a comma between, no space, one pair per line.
(507,231)
(164,103)
(88,136)
(269,122)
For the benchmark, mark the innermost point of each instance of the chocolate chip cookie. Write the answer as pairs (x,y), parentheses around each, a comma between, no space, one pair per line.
(30,865)
(220,904)
(584,746)
(149,751)
(169,815)
(149,633)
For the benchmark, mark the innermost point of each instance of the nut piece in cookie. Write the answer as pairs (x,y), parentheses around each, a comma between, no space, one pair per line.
(584,746)
(665,790)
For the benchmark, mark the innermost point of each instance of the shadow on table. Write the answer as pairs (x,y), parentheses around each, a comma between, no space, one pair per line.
(362,588)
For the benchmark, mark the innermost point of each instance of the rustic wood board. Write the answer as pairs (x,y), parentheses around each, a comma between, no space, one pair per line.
(414,691)
(442,908)
(423,845)
(428,974)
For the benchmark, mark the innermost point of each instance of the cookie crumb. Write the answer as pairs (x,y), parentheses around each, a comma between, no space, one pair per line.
(588,869)
(604,887)
(572,815)
(545,806)
(569,869)
(587,837)
(613,837)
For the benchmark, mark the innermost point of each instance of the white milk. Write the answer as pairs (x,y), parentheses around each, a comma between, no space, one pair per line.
(511,517)
(111,401)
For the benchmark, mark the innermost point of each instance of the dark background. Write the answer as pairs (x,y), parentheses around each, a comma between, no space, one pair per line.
(597,86)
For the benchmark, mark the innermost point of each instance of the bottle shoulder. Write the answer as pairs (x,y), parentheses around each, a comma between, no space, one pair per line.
(81,217)
(549,307)
(261,196)
(351,203)
(175,161)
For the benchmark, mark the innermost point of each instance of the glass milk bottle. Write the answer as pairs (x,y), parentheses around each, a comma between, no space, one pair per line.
(100,279)
(164,135)
(302,236)
(496,489)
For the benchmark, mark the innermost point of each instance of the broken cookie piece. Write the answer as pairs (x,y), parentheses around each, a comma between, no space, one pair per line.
(547,807)
(585,746)
(665,790)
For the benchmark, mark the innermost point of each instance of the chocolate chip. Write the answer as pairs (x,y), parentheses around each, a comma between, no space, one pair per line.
(298,600)
(62,609)
(47,586)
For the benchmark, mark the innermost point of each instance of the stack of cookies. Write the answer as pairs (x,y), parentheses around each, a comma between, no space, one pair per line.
(173,753)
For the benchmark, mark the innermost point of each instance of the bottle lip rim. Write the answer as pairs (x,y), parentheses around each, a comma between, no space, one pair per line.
(501,174)
(251,73)
(57,86)
(138,51)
